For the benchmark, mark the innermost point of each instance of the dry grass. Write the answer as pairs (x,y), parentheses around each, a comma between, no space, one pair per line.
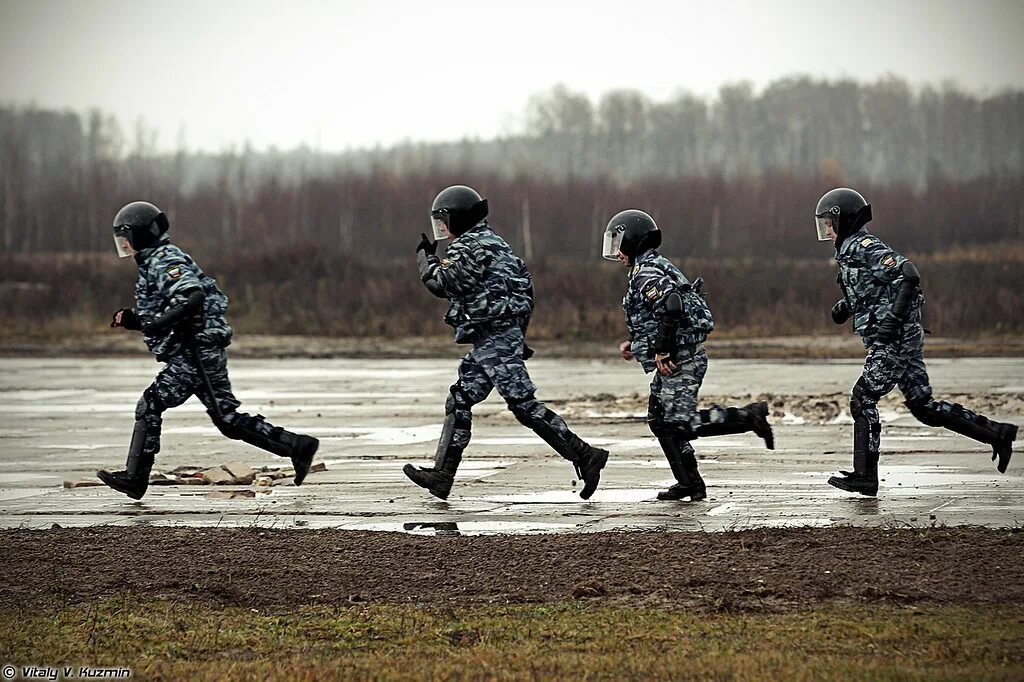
(310,291)
(178,640)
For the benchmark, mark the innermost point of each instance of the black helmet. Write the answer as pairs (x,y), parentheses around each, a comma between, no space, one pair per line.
(140,224)
(631,232)
(459,207)
(846,208)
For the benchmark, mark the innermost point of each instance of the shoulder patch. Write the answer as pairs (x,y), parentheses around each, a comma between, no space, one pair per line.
(889,261)
(445,262)
(866,241)
(652,293)
(175,271)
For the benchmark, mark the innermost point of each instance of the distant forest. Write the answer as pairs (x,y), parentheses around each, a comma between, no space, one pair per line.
(736,176)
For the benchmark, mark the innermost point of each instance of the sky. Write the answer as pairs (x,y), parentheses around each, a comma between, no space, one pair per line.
(346,74)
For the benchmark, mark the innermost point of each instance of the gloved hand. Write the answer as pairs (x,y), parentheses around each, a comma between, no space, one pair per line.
(426,245)
(527,352)
(127,318)
(841,311)
(889,329)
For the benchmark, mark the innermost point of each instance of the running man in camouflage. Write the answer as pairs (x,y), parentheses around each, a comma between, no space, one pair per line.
(882,295)
(491,300)
(181,314)
(668,321)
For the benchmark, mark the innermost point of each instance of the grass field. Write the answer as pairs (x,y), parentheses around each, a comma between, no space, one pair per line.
(799,604)
(179,640)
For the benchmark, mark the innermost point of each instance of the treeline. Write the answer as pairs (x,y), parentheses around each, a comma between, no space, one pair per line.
(735,176)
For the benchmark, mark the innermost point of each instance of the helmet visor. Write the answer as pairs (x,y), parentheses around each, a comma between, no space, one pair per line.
(122,242)
(822,223)
(437,224)
(612,242)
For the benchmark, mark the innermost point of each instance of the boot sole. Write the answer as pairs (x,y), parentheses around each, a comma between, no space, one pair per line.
(761,426)
(1004,458)
(112,483)
(841,484)
(306,457)
(694,497)
(410,472)
(589,489)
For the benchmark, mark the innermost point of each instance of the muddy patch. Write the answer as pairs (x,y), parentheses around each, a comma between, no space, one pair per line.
(765,569)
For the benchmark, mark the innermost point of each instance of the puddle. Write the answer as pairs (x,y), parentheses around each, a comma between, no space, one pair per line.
(235,494)
(621,495)
(450,528)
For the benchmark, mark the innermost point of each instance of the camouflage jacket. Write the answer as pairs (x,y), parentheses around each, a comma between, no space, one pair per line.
(650,281)
(166,275)
(486,283)
(870,275)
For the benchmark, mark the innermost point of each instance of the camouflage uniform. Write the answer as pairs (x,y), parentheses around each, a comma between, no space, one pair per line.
(672,413)
(167,278)
(165,273)
(870,276)
(491,299)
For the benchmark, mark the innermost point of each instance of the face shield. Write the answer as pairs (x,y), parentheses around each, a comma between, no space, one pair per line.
(612,242)
(123,242)
(437,223)
(823,221)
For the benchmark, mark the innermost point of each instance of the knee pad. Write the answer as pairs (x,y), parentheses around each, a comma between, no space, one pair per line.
(149,405)
(228,424)
(457,400)
(918,397)
(860,399)
(663,429)
(920,405)
(527,410)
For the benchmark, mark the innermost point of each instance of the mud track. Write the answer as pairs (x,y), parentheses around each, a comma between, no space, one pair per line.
(764,569)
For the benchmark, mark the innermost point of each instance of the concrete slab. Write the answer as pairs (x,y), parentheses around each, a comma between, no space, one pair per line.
(61,419)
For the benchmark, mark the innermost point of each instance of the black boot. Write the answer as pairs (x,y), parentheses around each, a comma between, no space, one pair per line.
(134,480)
(864,477)
(688,481)
(455,434)
(297,447)
(1002,449)
(301,451)
(699,490)
(588,467)
(437,481)
(959,420)
(753,417)
(586,459)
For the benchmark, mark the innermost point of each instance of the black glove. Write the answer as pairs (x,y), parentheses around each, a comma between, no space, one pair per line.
(841,311)
(129,319)
(426,245)
(527,352)
(889,329)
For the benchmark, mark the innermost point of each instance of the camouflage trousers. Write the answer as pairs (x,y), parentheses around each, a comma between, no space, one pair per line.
(901,363)
(673,400)
(496,362)
(179,380)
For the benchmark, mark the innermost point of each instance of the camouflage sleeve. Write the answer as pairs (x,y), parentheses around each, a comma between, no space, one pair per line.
(884,264)
(654,287)
(174,275)
(459,272)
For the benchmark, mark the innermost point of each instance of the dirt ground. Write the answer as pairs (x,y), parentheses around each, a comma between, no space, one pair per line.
(760,569)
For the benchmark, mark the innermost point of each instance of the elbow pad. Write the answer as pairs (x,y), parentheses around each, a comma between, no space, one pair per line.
(908,289)
(665,341)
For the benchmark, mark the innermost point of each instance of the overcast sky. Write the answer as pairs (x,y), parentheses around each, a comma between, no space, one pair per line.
(354,73)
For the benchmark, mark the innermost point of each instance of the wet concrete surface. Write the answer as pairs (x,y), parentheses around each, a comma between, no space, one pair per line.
(61,419)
